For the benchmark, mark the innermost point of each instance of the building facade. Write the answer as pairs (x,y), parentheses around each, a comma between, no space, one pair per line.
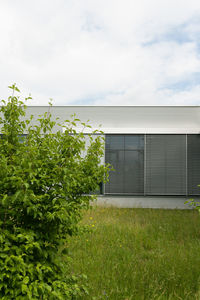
(154,150)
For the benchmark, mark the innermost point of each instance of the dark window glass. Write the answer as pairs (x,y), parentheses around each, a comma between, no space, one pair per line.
(22,138)
(193,164)
(116,178)
(132,142)
(126,154)
(115,142)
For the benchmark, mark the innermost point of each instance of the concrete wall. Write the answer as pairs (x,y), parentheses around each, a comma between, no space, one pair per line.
(144,202)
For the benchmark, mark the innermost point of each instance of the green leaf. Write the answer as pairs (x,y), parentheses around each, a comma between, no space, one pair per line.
(26,280)
(4,199)
(14,87)
(24,288)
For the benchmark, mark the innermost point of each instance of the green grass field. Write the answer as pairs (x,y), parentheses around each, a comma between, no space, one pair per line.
(139,254)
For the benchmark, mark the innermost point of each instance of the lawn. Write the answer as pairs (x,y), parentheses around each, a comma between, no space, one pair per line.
(139,254)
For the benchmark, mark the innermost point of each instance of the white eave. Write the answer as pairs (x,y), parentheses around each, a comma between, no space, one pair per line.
(142,130)
(131,119)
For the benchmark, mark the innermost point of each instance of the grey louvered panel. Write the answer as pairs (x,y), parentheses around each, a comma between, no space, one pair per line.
(166,164)
(193,164)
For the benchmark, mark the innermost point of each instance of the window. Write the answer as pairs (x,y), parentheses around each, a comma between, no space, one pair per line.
(126,154)
(193,165)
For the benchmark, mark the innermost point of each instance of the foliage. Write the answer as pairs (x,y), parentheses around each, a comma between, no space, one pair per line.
(45,183)
(193,203)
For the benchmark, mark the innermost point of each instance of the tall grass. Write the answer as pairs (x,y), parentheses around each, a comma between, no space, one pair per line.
(139,254)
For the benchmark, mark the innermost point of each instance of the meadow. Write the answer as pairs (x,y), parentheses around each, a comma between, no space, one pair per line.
(139,254)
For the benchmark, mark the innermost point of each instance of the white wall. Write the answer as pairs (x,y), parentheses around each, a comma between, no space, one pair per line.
(131,119)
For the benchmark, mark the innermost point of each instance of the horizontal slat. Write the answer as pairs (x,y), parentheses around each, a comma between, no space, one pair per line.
(166,165)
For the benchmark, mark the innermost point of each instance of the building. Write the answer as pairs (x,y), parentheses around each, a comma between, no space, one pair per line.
(155,151)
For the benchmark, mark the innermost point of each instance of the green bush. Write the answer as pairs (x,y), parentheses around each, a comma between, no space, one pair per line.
(45,183)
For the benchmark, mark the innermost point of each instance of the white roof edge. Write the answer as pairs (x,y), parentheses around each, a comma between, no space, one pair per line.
(141,130)
(113,106)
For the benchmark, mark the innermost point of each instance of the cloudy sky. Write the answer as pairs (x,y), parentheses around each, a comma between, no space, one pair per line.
(101,52)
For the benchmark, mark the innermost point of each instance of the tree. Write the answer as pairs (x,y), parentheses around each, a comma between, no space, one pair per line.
(45,183)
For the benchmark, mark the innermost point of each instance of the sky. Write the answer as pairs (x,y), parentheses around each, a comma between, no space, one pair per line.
(101,52)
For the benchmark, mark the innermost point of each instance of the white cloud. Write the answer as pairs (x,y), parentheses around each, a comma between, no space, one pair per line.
(101,52)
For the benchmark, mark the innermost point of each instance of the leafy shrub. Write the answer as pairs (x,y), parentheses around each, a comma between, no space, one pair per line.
(45,183)
(194,204)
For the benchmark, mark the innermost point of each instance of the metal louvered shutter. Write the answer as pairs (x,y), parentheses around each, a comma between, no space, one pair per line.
(193,164)
(165,164)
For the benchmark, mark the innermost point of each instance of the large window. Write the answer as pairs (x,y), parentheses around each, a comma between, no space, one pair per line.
(193,150)
(126,154)
(153,164)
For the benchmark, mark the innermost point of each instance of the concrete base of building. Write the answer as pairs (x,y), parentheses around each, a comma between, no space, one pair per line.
(145,202)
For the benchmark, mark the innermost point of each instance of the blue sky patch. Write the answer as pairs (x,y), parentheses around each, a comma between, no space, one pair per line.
(90,100)
(178,34)
(184,85)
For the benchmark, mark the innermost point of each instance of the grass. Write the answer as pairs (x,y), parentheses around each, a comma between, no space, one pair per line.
(139,254)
